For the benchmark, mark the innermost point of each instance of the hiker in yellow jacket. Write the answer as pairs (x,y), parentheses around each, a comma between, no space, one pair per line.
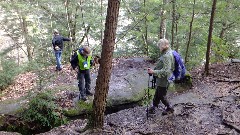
(83,60)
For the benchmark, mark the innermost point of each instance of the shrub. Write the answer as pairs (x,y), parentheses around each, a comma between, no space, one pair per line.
(42,113)
(154,52)
(9,71)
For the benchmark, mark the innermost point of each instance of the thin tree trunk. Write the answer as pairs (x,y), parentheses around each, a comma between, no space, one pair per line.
(146,30)
(177,16)
(190,32)
(104,73)
(101,22)
(69,20)
(218,56)
(210,37)
(25,33)
(86,28)
(173,20)
(74,24)
(163,24)
(176,33)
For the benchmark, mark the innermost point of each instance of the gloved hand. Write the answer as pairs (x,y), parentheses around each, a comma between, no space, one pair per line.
(150,71)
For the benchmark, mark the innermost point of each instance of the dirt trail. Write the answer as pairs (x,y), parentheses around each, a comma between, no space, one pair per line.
(210,107)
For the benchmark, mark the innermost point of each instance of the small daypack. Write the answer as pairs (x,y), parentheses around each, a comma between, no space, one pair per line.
(73,59)
(179,69)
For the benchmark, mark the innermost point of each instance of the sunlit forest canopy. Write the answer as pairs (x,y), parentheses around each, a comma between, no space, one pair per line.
(27,26)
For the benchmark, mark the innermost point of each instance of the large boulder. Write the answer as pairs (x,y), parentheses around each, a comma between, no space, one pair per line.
(129,88)
(128,83)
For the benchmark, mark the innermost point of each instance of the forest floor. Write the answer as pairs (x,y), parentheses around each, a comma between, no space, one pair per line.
(211,106)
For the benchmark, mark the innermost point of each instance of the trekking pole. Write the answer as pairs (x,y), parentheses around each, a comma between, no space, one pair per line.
(148,91)
(148,94)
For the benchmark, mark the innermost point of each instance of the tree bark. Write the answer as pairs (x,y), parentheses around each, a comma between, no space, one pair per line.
(162,33)
(176,33)
(104,73)
(101,22)
(173,20)
(190,32)
(25,34)
(210,37)
(177,16)
(146,31)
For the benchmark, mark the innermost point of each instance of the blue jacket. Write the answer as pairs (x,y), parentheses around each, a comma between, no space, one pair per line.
(60,39)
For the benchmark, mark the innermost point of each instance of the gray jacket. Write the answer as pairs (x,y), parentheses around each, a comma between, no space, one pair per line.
(164,68)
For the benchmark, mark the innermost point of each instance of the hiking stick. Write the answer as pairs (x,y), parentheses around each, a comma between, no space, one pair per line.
(148,94)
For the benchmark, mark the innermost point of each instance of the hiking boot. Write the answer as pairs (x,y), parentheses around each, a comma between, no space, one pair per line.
(58,69)
(168,111)
(152,110)
(88,93)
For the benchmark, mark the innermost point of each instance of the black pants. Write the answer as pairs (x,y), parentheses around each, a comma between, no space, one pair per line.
(84,78)
(160,94)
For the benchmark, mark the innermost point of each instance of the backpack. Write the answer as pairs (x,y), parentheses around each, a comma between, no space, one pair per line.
(179,68)
(73,59)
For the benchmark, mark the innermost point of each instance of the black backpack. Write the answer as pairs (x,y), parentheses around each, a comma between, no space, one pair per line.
(73,59)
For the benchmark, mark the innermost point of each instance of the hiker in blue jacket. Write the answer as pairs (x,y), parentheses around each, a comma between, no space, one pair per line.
(162,72)
(57,43)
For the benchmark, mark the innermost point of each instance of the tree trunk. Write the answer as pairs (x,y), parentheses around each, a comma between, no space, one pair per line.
(210,37)
(25,33)
(177,17)
(176,33)
(101,22)
(146,31)
(190,32)
(71,22)
(173,20)
(104,73)
(163,24)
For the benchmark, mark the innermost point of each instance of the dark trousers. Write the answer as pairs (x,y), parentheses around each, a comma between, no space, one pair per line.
(84,78)
(160,94)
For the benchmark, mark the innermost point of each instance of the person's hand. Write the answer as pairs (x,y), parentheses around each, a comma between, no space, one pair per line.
(70,39)
(150,71)
(57,48)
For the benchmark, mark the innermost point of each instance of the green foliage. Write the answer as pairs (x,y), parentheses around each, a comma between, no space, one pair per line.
(181,85)
(132,25)
(43,113)
(219,50)
(81,108)
(85,106)
(8,72)
(154,52)
(147,100)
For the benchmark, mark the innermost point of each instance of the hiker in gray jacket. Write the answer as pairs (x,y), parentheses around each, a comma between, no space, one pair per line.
(162,72)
